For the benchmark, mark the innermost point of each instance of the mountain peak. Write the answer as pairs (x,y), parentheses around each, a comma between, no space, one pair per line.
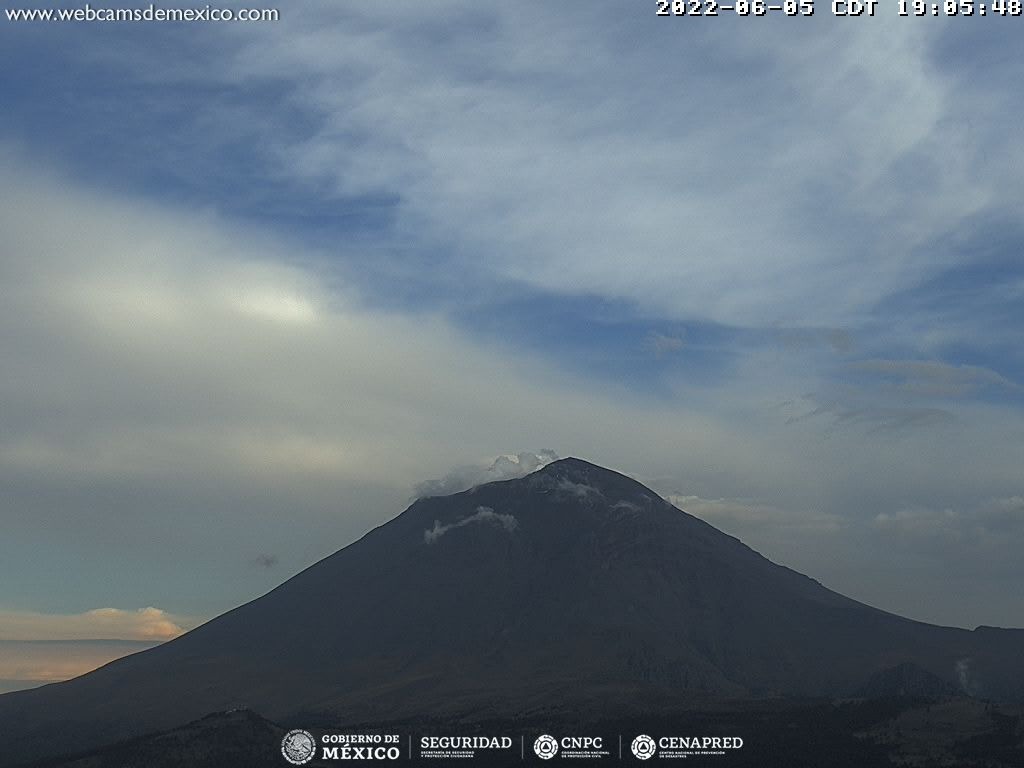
(574,469)
(574,464)
(579,470)
(586,480)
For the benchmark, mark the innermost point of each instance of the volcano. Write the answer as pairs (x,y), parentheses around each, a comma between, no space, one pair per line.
(574,588)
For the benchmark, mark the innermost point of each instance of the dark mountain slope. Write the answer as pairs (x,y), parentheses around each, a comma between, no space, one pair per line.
(574,587)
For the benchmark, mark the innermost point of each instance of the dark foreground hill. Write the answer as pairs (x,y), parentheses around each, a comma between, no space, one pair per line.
(574,589)
(236,739)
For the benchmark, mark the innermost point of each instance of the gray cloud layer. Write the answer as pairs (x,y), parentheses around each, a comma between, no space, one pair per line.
(782,185)
(169,387)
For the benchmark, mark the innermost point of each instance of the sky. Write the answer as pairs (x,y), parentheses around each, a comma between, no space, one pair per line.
(262,283)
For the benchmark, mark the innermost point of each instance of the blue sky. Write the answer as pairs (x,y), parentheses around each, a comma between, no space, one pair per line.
(259,281)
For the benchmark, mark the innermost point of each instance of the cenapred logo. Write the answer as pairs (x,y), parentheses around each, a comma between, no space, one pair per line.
(545,746)
(643,747)
(298,746)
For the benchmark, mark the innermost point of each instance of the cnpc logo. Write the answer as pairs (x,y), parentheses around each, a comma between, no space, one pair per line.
(547,746)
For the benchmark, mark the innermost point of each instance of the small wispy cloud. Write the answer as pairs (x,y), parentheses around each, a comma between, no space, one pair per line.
(264,560)
(875,418)
(579,490)
(482,515)
(746,515)
(997,518)
(839,340)
(662,344)
(932,378)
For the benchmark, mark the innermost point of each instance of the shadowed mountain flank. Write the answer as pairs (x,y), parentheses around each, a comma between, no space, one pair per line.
(573,588)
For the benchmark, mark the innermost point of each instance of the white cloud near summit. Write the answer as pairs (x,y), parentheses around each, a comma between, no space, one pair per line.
(505,467)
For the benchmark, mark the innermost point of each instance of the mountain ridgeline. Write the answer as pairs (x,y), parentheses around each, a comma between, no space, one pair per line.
(574,588)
